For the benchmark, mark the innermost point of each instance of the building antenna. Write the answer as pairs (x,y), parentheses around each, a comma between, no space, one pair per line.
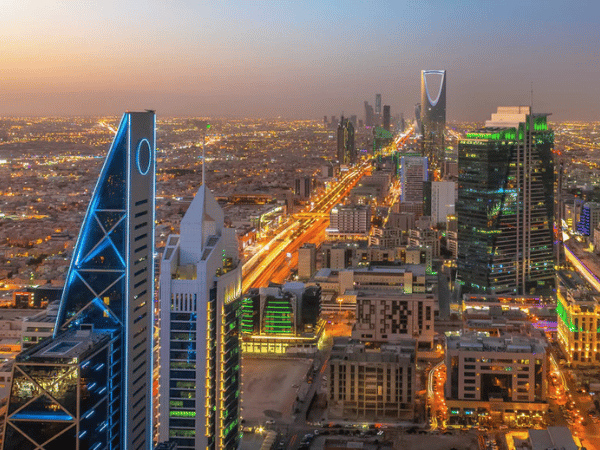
(203,154)
(531,97)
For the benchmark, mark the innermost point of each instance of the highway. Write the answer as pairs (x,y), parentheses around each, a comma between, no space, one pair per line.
(274,261)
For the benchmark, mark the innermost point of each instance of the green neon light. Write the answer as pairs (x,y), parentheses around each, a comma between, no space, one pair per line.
(182,413)
(564,316)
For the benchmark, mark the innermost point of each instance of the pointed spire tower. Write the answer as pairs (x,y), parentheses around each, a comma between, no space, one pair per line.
(200,289)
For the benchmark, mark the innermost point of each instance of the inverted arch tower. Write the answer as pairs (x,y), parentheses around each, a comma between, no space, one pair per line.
(433,117)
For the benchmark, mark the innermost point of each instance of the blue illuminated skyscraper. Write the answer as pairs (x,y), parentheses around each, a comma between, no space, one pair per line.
(90,385)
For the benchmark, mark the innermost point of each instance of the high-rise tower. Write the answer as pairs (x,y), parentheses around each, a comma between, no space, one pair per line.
(505,205)
(346,149)
(90,385)
(386,117)
(433,118)
(378,109)
(413,175)
(369,115)
(200,289)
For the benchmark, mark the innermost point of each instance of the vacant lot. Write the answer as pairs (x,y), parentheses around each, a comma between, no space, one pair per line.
(268,390)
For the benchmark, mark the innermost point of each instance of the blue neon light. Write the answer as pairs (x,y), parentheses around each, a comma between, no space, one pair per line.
(143,152)
(42,416)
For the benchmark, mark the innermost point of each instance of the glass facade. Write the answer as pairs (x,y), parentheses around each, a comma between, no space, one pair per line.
(109,287)
(62,402)
(505,211)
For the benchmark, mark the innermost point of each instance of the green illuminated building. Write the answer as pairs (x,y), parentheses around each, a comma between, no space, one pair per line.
(578,327)
(505,205)
(279,314)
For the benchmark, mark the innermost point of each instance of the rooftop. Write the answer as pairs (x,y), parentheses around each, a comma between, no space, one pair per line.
(481,342)
(72,344)
(354,351)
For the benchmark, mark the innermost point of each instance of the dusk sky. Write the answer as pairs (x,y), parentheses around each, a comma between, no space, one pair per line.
(296,59)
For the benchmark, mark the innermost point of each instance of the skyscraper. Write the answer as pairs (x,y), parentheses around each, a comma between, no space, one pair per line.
(90,385)
(418,123)
(378,108)
(369,115)
(200,289)
(346,149)
(413,173)
(433,118)
(505,205)
(386,117)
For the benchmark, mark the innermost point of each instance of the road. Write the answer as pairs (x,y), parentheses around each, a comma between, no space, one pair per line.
(570,408)
(273,261)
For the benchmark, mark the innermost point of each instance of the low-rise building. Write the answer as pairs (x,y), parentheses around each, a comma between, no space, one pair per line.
(371,384)
(40,326)
(505,376)
(578,319)
(350,219)
(391,316)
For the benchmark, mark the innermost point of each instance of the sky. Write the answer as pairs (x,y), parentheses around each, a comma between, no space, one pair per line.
(296,59)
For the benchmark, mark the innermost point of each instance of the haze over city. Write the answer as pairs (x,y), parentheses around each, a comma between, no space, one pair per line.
(296,225)
(296,59)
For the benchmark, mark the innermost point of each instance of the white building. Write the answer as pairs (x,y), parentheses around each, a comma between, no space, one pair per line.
(350,219)
(307,261)
(504,374)
(200,288)
(371,384)
(413,174)
(391,317)
(443,197)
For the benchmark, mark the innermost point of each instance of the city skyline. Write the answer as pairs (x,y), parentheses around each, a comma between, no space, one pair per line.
(287,59)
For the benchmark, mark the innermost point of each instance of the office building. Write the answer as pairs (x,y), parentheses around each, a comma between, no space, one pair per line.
(425,238)
(433,118)
(103,331)
(504,375)
(386,117)
(505,205)
(371,384)
(390,316)
(577,328)
(62,393)
(401,279)
(589,219)
(378,106)
(443,199)
(413,175)
(346,148)
(303,187)
(418,123)
(369,115)
(350,219)
(40,326)
(354,121)
(307,261)
(200,290)
(282,319)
